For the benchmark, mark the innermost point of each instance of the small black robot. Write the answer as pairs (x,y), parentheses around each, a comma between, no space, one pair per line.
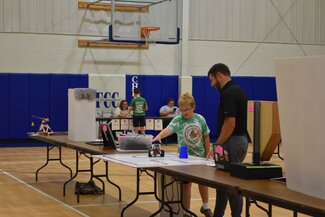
(155,150)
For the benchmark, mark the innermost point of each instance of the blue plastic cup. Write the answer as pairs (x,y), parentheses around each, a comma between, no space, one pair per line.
(183,152)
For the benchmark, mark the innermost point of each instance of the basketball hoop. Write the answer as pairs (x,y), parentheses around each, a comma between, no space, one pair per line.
(145,33)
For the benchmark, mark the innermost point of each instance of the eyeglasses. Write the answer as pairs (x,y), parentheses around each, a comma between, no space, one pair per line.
(185,110)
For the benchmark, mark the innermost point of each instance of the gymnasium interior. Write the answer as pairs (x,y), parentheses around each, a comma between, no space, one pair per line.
(275,50)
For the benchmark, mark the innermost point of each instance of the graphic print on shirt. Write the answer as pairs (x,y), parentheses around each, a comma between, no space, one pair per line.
(139,107)
(192,135)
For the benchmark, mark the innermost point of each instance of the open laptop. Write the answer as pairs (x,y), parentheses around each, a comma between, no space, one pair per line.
(105,139)
(125,143)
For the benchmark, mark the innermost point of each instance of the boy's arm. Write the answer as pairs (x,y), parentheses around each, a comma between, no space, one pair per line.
(164,133)
(206,140)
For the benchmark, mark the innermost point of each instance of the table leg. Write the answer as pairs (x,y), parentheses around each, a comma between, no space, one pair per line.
(137,191)
(247,206)
(162,200)
(75,175)
(48,159)
(60,158)
(91,170)
(295,214)
(249,201)
(107,178)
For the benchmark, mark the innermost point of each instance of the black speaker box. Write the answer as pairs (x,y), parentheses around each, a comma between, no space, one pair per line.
(255,171)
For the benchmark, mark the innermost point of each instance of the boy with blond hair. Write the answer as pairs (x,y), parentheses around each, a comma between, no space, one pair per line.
(193,132)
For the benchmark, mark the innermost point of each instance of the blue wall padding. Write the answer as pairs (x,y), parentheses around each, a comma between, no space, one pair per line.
(206,99)
(43,95)
(169,89)
(39,99)
(19,105)
(46,95)
(199,93)
(78,81)
(59,84)
(265,88)
(247,83)
(4,111)
(152,92)
(211,104)
(156,89)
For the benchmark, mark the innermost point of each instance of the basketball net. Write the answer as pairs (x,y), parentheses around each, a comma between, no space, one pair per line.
(145,33)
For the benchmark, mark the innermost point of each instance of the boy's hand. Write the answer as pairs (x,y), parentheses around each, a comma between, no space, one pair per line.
(210,154)
(156,139)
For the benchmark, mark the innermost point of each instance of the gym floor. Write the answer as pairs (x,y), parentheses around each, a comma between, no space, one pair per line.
(21,195)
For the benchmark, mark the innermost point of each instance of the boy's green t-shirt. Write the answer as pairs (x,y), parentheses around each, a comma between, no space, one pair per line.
(139,104)
(190,133)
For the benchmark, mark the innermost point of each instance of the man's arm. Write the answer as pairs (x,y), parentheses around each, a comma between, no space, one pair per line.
(227,129)
(166,112)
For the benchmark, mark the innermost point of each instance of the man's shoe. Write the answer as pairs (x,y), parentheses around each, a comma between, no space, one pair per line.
(206,212)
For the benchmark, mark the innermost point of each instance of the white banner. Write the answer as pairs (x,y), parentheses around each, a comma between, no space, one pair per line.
(110,91)
(158,124)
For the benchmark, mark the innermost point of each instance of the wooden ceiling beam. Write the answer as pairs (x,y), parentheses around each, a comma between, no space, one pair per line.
(103,6)
(108,44)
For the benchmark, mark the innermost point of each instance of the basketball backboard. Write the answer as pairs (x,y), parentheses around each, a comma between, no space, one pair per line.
(128,18)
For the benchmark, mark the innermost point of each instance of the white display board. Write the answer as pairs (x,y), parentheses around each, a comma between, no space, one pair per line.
(81,118)
(141,160)
(301,101)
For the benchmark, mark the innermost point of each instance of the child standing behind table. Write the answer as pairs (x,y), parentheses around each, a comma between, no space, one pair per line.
(193,132)
(139,107)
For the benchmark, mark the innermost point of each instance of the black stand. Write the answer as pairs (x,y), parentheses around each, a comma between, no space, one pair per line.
(257,169)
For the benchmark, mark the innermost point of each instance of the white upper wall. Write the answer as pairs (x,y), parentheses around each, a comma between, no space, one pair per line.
(41,36)
(248,35)
(60,53)
(258,20)
(244,58)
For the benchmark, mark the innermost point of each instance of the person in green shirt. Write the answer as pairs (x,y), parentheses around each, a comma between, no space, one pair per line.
(139,107)
(193,132)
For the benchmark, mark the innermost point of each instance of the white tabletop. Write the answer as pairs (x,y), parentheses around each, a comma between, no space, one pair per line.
(142,160)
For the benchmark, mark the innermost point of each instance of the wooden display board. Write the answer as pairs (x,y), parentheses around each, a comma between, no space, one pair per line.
(270,135)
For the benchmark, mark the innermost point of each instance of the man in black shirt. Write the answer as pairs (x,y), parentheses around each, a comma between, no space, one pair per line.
(232,127)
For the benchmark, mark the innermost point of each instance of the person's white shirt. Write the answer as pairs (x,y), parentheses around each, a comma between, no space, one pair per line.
(172,111)
(123,113)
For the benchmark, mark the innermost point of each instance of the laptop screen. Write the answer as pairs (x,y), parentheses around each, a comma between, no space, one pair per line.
(108,140)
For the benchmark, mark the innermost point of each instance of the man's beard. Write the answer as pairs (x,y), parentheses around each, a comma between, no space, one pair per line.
(218,87)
